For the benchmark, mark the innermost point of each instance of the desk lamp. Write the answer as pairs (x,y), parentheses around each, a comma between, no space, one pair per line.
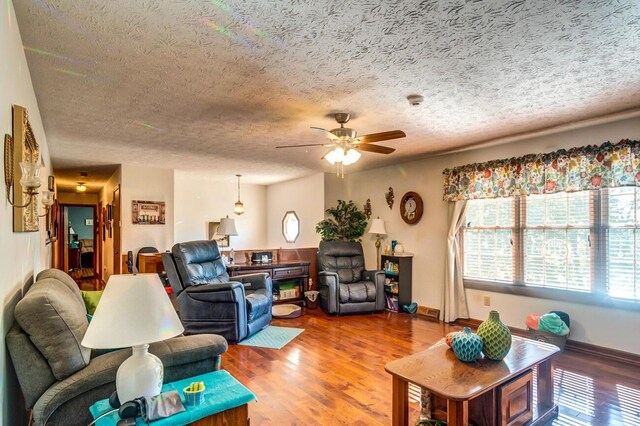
(134,311)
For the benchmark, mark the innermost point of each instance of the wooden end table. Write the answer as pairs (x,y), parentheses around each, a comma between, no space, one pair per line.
(484,391)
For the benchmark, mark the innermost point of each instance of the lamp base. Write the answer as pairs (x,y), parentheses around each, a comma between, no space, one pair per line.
(139,375)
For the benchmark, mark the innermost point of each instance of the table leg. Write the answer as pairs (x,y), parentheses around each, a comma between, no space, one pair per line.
(457,413)
(545,385)
(400,410)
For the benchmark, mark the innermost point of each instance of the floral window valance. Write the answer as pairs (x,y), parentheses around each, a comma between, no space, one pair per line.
(576,169)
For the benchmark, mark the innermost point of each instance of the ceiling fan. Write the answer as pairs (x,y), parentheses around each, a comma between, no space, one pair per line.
(346,144)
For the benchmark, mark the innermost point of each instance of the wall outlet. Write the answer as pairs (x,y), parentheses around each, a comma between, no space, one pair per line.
(486,300)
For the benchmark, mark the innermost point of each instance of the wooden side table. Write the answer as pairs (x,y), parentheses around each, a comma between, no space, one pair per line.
(488,392)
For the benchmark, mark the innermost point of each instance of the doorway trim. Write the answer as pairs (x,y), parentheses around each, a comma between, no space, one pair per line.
(64,236)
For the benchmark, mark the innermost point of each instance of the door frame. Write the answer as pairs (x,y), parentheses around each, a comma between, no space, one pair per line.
(64,240)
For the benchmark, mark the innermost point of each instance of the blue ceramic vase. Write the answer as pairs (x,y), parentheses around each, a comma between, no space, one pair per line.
(466,345)
(495,336)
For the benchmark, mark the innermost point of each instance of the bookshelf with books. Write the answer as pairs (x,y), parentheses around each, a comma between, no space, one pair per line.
(397,283)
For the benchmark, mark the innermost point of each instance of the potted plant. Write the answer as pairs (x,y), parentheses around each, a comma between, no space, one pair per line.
(345,222)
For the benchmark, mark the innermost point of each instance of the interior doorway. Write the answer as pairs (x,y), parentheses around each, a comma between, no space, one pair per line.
(79,242)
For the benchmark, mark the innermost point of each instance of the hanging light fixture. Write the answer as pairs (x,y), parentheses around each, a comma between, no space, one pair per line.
(239,207)
(81,187)
(342,156)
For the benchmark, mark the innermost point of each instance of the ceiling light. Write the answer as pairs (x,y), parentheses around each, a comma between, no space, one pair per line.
(335,156)
(239,207)
(81,187)
(351,157)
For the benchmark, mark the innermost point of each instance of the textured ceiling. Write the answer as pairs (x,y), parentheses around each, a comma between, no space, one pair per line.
(215,86)
(67,178)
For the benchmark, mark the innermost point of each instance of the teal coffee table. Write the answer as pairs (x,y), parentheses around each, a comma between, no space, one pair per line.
(225,403)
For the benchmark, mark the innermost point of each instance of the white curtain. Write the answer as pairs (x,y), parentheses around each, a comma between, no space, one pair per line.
(455,302)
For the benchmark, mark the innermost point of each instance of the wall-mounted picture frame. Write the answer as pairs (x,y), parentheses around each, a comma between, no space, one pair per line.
(222,240)
(51,183)
(88,222)
(148,212)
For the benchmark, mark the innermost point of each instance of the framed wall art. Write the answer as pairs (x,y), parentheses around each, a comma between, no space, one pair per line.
(148,212)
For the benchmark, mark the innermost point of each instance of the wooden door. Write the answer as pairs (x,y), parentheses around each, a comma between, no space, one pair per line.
(115,205)
(97,240)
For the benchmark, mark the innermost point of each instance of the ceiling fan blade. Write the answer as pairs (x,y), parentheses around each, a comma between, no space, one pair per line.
(325,133)
(382,136)
(306,144)
(375,148)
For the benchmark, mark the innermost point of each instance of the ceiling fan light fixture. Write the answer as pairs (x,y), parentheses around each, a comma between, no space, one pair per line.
(351,156)
(335,156)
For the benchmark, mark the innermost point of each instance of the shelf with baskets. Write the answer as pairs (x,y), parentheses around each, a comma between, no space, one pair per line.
(397,287)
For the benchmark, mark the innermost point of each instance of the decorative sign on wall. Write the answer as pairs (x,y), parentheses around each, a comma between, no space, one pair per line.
(148,212)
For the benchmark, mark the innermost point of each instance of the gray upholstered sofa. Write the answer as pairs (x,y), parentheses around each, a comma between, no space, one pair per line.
(211,302)
(59,378)
(345,286)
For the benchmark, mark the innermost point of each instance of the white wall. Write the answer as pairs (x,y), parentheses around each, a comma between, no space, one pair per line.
(106,198)
(596,325)
(200,199)
(305,196)
(22,255)
(146,184)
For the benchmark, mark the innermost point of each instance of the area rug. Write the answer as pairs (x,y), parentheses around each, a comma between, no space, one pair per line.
(272,337)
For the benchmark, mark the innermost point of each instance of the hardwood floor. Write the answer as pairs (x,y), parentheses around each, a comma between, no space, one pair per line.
(333,374)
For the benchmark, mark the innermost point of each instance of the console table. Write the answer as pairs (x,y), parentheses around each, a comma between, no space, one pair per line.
(486,392)
(292,273)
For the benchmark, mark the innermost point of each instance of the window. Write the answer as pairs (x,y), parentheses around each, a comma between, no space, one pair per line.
(584,242)
(290,227)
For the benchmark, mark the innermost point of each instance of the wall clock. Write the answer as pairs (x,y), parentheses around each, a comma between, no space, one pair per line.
(411,208)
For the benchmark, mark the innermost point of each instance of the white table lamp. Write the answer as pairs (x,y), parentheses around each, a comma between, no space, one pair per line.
(134,311)
(377,228)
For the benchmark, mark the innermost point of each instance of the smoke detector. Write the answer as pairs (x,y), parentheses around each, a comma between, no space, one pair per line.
(415,100)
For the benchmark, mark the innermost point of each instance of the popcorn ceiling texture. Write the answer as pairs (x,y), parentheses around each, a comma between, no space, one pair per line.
(215,86)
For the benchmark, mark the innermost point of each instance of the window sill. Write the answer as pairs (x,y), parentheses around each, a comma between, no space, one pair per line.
(602,300)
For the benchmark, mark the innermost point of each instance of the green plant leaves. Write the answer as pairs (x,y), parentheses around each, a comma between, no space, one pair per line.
(345,222)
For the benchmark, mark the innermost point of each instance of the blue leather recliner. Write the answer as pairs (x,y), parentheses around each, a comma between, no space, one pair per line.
(208,301)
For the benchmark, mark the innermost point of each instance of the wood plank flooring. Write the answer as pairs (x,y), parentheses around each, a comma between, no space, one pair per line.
(333,374)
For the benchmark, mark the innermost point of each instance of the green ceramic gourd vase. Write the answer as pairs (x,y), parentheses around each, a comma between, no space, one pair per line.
(496,337)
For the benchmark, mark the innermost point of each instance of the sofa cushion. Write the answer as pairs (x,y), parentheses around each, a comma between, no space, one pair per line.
(342,257)
(363,291)
(56,322)
(258,304)
(64,278)
(199,262)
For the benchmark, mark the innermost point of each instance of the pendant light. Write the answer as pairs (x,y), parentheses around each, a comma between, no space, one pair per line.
(239,207)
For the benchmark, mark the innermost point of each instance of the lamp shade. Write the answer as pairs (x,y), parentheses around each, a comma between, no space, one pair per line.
(377,227)
(134,310)
(227,227)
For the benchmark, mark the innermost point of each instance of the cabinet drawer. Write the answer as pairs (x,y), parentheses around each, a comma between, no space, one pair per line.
(253,271)
(294,271)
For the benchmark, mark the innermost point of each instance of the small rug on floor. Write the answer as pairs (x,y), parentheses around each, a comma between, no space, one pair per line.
(272,337)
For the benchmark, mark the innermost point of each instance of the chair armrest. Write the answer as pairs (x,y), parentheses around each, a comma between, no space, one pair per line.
(377,277)
(86,386)
(255,281)
(230,292)
(329,291)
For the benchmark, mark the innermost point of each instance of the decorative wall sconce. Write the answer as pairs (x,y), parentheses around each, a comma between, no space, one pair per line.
(22,173)
(367,208)
(390,197)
